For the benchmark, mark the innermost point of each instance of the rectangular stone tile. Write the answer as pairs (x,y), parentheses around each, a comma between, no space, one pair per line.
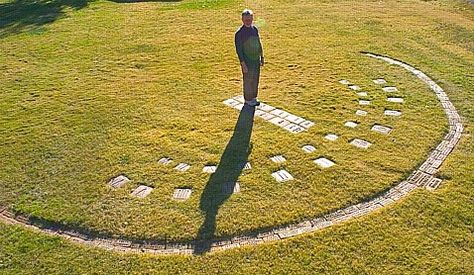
(231,102)
(364,102)
(278,159)
(307,124)
(433,184)
(308,148)
(265,107)
(280,122)
(381,129)
(165,161)
(259,113)
(351,124)
(379,81)
(392,113)
(294,119)
(293,128)
(279,113)
(361,113)
(331,137)
(282,176)
(344,82)
(389,89)
(182,193)
(210,169)
(266,116)
(239,106)
(360,143)
(182,167)
(239,98)
(119,181)
(395,99)
(142,191)
(354,87)
(362,94)
(324,162)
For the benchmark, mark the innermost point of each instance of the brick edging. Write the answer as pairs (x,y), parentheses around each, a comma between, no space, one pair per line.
(421,177)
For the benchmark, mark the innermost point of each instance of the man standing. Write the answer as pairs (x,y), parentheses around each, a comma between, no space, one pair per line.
(250,53)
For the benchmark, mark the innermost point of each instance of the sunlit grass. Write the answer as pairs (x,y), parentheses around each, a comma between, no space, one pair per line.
(111,88)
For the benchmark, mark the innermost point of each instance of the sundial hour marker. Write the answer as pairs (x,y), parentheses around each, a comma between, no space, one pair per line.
(278,159)
(282,176)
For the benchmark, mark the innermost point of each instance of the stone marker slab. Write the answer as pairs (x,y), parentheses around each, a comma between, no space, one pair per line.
(239,106)
(265,107)
(266,116)
(278,117)
(210,169)
(354,87)
(395,99)
(278,121)
(294,119)
(230,188)
(182,167)
(331,137)
(182,194)
(307,124)
(360,143)
(231,102)
(239,98)
(362,94)
(351,124)
(389,89)
(119,181)
(364,102)
(392,113)
(293,128)
(278,159)
(282,176)
(344,82)
(165,161)
(279,113)
(142,191)
(361,113)
(379,81)
(324,162)
(308,148)
(381,129)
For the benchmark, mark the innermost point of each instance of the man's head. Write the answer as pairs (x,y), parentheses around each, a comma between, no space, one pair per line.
(247,17)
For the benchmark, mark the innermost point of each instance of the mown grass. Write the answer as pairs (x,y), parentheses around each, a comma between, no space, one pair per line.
(111,88)
(120,100)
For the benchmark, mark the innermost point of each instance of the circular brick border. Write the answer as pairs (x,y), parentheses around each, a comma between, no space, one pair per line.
(421,177)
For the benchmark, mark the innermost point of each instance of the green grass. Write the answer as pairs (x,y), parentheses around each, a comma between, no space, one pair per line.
(110,88)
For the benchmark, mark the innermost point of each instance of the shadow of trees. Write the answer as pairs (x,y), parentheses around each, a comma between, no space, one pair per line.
(22,15)
(230,167)
(136,1)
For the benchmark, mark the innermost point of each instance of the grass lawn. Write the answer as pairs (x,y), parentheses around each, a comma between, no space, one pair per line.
(93,90)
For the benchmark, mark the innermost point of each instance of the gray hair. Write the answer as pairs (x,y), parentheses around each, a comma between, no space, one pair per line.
(247,12)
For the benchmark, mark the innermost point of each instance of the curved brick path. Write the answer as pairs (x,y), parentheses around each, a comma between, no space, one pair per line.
(421,177)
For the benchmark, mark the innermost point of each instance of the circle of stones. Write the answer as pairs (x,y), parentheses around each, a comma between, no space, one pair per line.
(422,177)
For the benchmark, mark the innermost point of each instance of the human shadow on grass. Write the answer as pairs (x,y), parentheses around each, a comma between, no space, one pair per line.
(19,15)
(221,184)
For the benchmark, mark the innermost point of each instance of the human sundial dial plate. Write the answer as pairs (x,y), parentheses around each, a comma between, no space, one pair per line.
(276,116)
